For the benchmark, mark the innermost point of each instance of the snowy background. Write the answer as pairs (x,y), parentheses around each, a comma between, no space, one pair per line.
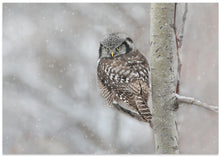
(50,99)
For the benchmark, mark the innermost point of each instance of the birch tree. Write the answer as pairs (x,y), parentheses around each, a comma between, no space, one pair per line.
(163,78)
(165,84)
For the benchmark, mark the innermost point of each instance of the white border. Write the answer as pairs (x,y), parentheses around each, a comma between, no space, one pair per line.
(86,1)
(110,1)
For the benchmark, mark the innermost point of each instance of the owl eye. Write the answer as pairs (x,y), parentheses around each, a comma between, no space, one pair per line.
(106,49)
(118,48)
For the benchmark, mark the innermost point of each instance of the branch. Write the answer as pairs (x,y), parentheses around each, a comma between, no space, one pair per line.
(179,41)
(128,112)
(175,29)
(177,49)
(193,101)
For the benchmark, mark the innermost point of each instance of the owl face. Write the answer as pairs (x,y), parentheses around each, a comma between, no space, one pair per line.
(114,45)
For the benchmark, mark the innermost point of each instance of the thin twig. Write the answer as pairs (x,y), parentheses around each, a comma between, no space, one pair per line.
(128,112)
(183,25)
(193,101)
(177,49)
(179,41)
(175,29)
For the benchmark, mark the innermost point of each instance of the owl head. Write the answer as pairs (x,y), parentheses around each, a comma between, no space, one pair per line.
(114,45)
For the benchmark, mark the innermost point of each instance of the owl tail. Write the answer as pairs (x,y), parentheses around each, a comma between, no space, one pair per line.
(143,109)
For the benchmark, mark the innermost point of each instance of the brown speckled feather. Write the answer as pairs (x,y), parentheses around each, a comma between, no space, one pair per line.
(125,79)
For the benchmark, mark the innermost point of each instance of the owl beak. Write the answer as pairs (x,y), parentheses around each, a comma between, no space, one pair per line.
(112,53)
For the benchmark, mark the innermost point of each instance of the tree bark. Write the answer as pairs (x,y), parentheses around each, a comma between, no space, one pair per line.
(163,79)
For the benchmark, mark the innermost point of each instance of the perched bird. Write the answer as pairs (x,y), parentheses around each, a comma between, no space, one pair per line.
(123,74)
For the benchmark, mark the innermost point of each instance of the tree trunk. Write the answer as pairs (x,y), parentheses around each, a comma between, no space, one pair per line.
(163,79)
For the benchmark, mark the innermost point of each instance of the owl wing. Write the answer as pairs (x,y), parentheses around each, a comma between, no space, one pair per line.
(125,79)
(116,80)
(139,64)
(136,91)
(135,94)
(104,91)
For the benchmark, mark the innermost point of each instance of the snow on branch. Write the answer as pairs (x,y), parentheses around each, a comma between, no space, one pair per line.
(193,101)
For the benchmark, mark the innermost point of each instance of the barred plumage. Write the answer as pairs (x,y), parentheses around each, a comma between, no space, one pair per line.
(123,74)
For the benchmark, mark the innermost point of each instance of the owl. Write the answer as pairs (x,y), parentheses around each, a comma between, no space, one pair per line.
(123,74)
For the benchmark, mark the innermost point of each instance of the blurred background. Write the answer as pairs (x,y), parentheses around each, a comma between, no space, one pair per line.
(50,99)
